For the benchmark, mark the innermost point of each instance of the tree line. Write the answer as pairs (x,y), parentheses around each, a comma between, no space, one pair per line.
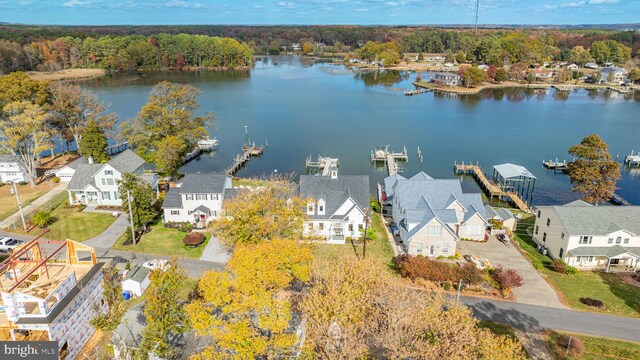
(125,53)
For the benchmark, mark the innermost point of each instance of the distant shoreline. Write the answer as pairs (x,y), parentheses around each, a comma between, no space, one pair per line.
(68,74)
(510,84)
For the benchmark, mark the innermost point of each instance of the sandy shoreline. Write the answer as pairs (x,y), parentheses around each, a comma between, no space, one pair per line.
(510,84)
(68,74)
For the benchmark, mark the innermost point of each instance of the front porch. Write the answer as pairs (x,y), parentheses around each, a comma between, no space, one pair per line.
(609,259)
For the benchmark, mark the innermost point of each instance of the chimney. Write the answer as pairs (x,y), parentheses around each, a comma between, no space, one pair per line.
(334,172)
(90,159)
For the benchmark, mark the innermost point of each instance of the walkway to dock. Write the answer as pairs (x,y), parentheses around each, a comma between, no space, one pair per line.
(241,159)
(390,158)
(489,186)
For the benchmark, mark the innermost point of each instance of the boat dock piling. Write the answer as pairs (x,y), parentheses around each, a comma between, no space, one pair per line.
(415,92)
(562,88)
(249,150)
(489,186)
(555,165)
(382,154)
(204,145)
(117,148)
(632,159)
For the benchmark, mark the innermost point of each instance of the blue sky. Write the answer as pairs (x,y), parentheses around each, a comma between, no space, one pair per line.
(388,12)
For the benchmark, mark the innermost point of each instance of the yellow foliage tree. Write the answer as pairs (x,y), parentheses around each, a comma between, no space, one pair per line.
(261,214)
(307,47)
(247,311)
(353,307)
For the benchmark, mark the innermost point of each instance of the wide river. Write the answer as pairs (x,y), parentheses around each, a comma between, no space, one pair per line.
(303,108)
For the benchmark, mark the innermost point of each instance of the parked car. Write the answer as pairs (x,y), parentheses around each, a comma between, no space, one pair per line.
(8,244)
(157,264)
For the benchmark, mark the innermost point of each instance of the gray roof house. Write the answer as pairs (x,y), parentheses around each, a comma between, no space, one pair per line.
(97,184)
(589,236)
(197,198)
(11,170)
(337,205)
(432,215)
(613,75)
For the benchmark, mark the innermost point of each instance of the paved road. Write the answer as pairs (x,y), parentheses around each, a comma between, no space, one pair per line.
(535,291)
(111,234)
(15,217)
(532,318)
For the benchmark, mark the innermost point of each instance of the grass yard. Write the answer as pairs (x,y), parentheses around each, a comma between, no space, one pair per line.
(69,223)
(619,297)
(379,248)
(163,241)
(498,328)
(27,194)
(595,348)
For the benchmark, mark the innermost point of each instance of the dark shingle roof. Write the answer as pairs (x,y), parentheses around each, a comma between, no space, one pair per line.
(202,184)
(336,191)
(77,162)
(172,199)
(138,273)
(83,176)
(126,162)
(598,220)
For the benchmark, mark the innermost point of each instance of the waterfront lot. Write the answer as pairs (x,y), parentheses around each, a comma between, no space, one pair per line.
(619,297)
(162,241)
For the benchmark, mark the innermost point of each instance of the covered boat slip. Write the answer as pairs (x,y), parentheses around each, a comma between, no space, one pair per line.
(613,258)
(516,179)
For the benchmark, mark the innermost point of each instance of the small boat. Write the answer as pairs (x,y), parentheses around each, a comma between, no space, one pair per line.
(208,144)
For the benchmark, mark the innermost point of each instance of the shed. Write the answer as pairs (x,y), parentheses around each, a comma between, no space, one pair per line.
(515,178)
(503,215)
(136,280)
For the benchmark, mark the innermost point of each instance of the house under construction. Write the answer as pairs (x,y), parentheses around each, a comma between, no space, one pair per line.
(50,291)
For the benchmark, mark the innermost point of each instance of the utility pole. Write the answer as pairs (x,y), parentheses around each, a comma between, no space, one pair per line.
(366,228)
(133,232)
(458,296)
(15,192)
(476,22)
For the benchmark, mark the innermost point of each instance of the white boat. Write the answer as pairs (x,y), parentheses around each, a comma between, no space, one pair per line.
(208,144)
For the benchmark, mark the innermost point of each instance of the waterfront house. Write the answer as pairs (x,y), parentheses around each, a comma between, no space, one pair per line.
(97,184)
(573,67)
(542,74)
(51,297)
(66,172)
(11,170)
(432,215)
(586,236)
(614,75)
(447,79)
(196,198)
(501,216)
(591,65)
(337,205)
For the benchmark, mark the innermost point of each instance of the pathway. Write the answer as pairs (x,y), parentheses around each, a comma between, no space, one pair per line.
(215,251)
(535,291)
(533,319)
(111,234)
(34,205)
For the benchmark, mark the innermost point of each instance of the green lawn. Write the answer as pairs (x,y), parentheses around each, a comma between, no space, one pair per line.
(498,328)
(69,223)
(163,241)
(378,248)
(619,297)
(596,348)
(27,195)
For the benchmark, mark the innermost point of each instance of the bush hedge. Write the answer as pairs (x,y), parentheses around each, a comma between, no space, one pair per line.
(193,239)
(507,279)
(592,302)
(572,343)
(420,267)
(180,226)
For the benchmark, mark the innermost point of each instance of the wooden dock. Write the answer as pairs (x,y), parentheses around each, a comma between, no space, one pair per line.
(324,163)
(562,88)
(248,151)
(556,165)
(204,145)
(383,154)
(117,148)
(489,186)
(415,92)
(632,159)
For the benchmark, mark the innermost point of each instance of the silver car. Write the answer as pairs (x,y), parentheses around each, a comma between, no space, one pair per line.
(8,244)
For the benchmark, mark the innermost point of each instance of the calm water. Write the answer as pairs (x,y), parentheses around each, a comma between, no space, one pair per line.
(303,108)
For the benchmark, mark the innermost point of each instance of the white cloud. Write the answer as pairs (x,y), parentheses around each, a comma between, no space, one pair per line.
(598,2)
(288,5)
(74,3)
(391,3)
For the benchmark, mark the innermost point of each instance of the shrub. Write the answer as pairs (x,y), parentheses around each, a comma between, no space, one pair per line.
(56,179)
(575,345)
(559,266)
(375,205)
(371,234)
(507,279)
(193,239)
(41,218)
(420,267)
(592,302)
(572,270)
(447,286)
(440,257)
(470,274)
(180,226)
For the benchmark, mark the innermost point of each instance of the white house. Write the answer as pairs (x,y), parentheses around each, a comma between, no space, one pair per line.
(66,172)
(196,198)
(432,215)
(589,236)
(97,184)
(11,170)
(613,75)
(448,79)
(591,65)
(136,280)
(573,67)
(337,205)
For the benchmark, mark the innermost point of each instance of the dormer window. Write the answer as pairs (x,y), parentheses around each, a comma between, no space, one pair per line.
(310,209)
(108,172)
(321,204)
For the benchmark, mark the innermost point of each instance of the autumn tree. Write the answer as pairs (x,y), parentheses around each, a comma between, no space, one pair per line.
(93,142)
(168,113)
(492,71)
(501,75)
(142,199)
(353,306)
(109,319)
(634,75)
(163,310)
(247,311)
(260,214)
(168,157)
(472,76)
(461,58)
(518,71)
(307,47)
(593,173)
(18,86)
(72,108)
(23,134)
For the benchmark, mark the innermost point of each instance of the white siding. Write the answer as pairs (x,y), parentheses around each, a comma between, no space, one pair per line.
(421,243)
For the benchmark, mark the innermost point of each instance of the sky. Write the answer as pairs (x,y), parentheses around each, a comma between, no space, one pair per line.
(311,12)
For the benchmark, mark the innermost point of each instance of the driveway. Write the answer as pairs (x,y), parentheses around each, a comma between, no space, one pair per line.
(535,291)
(111,234)
(215,251)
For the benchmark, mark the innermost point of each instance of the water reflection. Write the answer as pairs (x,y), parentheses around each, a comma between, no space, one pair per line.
(382,77)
